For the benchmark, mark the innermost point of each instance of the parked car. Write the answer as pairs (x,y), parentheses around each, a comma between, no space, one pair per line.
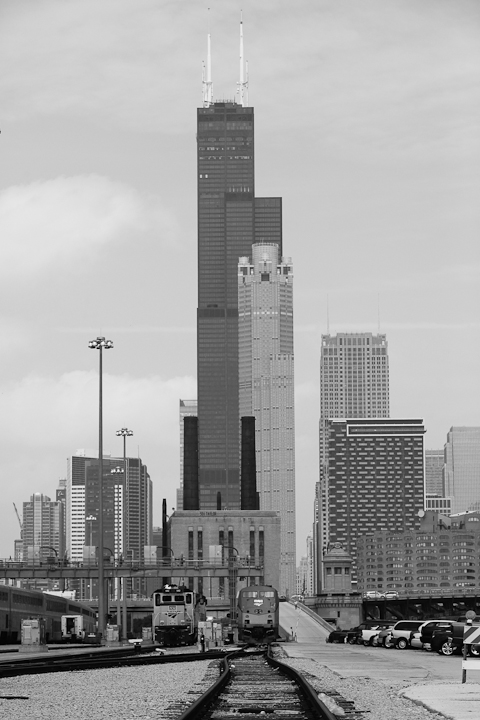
(371,635)
(427,629)
(345,636)
(447,638)
(383,637)
(401,631)
(391,595)
(415,640)
(373,595)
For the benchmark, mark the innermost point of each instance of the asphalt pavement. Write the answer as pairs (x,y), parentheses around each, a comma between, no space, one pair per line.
(447,696)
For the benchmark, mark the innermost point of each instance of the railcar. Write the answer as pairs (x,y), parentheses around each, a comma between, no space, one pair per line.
(175,616)
(257,614)
(17,604)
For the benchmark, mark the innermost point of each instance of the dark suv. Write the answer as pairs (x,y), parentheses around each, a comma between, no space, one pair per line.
(447,638)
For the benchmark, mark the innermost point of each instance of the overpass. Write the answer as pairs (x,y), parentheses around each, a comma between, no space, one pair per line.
(171,568)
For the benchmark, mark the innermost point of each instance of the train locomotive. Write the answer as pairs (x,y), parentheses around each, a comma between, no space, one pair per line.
(257,614)
(176,612)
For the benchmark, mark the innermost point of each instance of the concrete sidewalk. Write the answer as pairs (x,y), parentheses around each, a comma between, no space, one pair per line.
(456,701)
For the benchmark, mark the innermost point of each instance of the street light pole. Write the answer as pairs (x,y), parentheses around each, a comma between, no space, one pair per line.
(124,432)
(99,344)
(90,519)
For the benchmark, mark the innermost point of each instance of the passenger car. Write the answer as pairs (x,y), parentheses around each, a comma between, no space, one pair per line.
(391,595)
(401,632)
(342,636)
(447,638)
(373,595)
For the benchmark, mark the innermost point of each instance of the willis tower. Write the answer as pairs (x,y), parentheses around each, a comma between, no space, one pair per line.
(230,220)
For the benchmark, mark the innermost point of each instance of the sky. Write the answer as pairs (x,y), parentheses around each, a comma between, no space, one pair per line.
(366,123)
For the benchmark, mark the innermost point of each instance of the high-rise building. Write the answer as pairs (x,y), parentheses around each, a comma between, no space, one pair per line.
(187,408)
(434,462)
(462,468)
(266,375)
(354,383)
(43,525)
(127,509)
(230,220)
(374,478)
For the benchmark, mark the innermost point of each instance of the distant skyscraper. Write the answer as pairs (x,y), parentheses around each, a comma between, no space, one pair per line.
(266,370)
(462,468)
(230,220)
(188,408)
(374,478)
(127,505)
(354,383)
(434,461)
(43,524)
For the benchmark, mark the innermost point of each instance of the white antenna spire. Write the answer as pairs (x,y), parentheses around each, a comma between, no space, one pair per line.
(242,90)
(207,84)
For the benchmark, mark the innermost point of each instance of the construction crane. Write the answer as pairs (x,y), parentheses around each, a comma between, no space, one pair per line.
(19,521)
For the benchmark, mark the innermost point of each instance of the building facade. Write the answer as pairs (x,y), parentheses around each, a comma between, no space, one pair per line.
(354,383)
(187,408)
(374,478)
(127,511)
(266,380)
(230,218)
(442,554)
(462,468)
(43,528)
(208,539)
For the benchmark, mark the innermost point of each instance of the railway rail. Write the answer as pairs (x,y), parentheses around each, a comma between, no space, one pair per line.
(255,683)
(93,661)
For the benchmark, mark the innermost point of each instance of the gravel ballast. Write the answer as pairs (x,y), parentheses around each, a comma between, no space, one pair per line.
(377,700)
(129,693)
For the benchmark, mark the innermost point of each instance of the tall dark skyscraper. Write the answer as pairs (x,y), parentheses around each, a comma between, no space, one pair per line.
(230,220)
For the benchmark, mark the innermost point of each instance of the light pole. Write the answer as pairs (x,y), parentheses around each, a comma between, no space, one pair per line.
(122,584)
(99,344)
(90,519)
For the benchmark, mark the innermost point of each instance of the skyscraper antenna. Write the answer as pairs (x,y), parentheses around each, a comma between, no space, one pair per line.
(207,84)
(378,311)
(328,318)
(242,85)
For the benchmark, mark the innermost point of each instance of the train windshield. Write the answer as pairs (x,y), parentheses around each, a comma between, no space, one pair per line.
(259,594)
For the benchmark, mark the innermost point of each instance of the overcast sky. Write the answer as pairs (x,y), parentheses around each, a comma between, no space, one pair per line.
(366,123)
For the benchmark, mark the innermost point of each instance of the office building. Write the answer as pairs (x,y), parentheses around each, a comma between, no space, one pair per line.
(374,478)
(462,468)
(441,554)
(230,220)
(354,383)
(266,376)
(127,510)
(434,462)
(187,408)
(42,528)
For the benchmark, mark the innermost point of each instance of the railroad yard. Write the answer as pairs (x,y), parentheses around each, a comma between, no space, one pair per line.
(353,682)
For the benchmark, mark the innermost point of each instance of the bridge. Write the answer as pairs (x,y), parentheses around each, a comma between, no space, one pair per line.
(57,568)
(425,603)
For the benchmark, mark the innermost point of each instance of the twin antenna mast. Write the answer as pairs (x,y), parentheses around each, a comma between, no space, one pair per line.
(242,84)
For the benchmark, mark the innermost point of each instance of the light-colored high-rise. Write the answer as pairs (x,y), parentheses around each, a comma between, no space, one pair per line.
(462,468)
(354,383)
(266,375)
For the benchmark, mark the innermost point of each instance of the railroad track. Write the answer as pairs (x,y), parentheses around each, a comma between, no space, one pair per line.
(68,663)
(256,684)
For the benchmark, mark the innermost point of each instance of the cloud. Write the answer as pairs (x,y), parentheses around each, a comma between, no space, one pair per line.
(54,223)
(40,412)
(380,73)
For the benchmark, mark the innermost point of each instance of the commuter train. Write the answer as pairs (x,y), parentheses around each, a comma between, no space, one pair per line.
(17,604)
(257,614)
(176,612)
